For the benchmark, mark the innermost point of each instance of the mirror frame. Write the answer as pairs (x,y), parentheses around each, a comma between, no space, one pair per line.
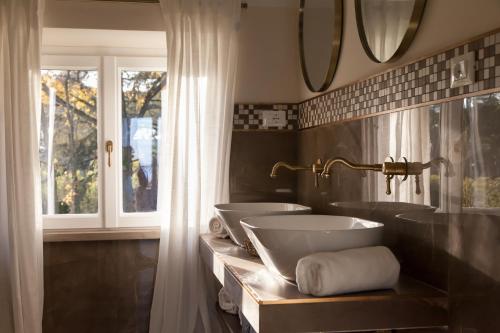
(415,20)
(338,25)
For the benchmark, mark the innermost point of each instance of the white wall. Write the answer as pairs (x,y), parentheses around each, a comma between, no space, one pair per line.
(103,15)
(268,63)
(445,23)
(269,58)
(269,69)
(70,41)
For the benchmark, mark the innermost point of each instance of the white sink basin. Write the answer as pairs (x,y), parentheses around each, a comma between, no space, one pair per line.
(282,240)
(231,214)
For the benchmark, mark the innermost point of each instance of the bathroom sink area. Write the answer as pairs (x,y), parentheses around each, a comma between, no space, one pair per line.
(274,305)
(230,215)
(282,240)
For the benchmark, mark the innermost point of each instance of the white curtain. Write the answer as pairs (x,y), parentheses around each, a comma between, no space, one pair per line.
(415,145)
(400,134)
(194,150)
(21,244)
(478,167)
(451,147)
(370,136)
(385,25)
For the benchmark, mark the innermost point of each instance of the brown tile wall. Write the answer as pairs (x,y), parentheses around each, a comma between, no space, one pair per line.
(99,287)
(253,154)
(323,143)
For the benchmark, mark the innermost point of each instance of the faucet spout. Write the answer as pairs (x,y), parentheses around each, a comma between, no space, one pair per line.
(316,168)
(350,165)
(280,164)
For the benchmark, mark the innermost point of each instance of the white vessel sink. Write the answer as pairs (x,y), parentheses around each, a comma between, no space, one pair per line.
(231,214)
(282,240)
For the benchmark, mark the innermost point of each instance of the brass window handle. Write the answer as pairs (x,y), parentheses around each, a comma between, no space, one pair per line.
(109,150)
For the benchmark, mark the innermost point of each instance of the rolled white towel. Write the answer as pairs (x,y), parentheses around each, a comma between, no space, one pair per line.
(217,228)
(226,302)
(330,273)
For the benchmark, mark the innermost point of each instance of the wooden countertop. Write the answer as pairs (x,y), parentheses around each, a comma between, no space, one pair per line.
(272,304)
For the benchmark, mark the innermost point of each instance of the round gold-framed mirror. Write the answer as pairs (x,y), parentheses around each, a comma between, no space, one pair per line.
(320,39)
(387,27)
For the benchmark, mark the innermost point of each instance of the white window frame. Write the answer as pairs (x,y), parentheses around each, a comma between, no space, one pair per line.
(110,213)
(63,221)
(122,219)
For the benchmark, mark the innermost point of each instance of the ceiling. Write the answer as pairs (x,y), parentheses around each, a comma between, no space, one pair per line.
(251,3)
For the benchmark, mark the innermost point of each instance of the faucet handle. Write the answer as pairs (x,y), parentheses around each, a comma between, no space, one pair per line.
(317,169)
(417,185)
(388,184)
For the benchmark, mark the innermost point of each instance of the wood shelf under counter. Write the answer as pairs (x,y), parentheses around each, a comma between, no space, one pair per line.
(272,304)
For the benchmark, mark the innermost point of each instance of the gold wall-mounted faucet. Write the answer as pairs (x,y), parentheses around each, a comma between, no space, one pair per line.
(316,168)
(388,168)
(349,164)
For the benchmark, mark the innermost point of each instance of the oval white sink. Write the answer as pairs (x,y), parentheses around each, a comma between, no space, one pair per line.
(230,214)
(282,240)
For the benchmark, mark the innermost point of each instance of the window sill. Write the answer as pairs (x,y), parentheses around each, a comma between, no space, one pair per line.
(78,235)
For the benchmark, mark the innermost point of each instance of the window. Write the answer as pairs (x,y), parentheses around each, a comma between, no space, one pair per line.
(86,102)
(68,141)
(141,111)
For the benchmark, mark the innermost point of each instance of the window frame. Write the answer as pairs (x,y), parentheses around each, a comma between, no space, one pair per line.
(110,213)
(70,221)
(123,219)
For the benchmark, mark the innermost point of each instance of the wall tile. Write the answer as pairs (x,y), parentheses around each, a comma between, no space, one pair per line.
(249,116)
(104,286)
(424,81)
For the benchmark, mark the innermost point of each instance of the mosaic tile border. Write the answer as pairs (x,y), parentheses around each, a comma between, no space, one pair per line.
(249,116)
(420,82)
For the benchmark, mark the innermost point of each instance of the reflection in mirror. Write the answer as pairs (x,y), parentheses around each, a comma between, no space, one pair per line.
(481,155)
(387,27)
(462,132)
(409,134)
(320,34)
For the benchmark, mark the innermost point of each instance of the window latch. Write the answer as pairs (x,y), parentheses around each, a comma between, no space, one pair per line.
(109,150)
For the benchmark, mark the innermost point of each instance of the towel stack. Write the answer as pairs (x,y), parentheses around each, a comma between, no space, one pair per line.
(354,270)
(215,226)
(226,302)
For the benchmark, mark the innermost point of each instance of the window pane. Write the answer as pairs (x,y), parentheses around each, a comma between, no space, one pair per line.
(68,141)
(141,111)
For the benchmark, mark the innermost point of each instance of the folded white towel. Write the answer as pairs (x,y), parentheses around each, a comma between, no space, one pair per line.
(330,273)
(216,228)
(226,302)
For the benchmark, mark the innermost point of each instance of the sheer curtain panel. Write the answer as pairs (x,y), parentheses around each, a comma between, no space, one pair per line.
(194,151)
(21,244)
